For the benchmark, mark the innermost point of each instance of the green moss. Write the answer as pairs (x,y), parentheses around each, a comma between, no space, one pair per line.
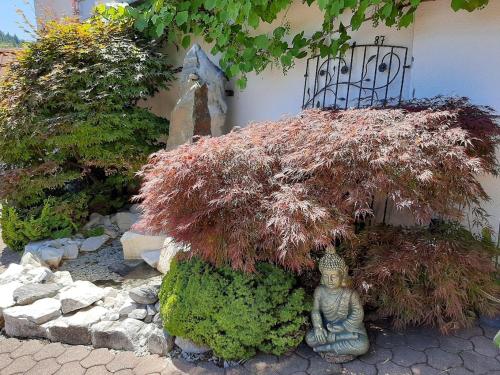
(234,313)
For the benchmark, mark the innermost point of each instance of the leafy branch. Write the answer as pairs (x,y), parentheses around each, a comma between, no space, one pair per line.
(231,27)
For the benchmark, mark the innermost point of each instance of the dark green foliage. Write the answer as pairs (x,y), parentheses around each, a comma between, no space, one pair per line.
(8,40)
(56,218)
(234,313)
(68,117)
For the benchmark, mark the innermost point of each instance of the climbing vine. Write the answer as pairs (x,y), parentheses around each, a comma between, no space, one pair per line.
(231,26)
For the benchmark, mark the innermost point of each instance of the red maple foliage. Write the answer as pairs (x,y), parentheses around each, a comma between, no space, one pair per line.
(440,277)
(275,190)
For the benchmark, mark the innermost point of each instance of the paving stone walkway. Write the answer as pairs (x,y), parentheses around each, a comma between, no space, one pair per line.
(417,351)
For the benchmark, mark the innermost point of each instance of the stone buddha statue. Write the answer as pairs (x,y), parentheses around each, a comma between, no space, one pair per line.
(338,333)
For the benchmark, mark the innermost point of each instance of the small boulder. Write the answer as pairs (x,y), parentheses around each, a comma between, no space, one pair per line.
(95,219)
(188,346)
(62,277)
(94,243)
(70,251)
(111,232)
(7,297)
(121,335)
(159,341)
(168,251)
(29,293)
(75,329)
(139,313)
(124,220)
(151,257)
(145,294)
(31,259)
(17,326)
(33,247)
(78,295)
(49,255)
(39,312)
(38,275)
(12,273)
(134,244)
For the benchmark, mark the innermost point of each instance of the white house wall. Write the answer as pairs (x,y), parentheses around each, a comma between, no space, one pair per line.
(271,95)
(52,9)
(459,54)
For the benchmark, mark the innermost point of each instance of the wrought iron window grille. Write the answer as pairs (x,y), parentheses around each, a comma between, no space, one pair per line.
(366,75)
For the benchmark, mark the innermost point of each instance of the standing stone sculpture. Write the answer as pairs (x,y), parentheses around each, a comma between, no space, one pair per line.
(201,110)
(338,333)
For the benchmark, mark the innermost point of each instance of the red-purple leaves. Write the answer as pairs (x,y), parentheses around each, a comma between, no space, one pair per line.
(275,190)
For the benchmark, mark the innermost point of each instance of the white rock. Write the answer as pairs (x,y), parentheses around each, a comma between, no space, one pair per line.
(39,275)
(31,259)
(33,247)
(50,255)
(139,313)
(111,316)
(127,307)
(29,293)
(11,273)
(169,249)
(75,329)
(124,220)
(70,251)
(190,347)
(134,244)
(94,243)
(127,334)
(62,277)
(39,312)
(151,257)
(78,295)
(159,341)
(7,296)
(110,292)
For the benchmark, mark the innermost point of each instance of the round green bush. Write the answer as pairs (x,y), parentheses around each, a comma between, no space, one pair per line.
(234,313)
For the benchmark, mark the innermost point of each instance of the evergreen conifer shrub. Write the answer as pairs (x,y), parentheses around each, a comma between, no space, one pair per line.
(68,116)
(234,313)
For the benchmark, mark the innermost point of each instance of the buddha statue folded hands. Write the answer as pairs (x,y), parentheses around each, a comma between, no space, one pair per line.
(338,332)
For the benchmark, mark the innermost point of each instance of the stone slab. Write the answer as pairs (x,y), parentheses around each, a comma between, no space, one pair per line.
(134,244)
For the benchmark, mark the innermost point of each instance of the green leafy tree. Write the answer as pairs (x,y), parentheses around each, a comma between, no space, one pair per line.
(8,40)
(231,26)
(69,122)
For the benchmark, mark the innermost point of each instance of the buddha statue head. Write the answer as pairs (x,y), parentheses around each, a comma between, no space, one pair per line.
(333,270)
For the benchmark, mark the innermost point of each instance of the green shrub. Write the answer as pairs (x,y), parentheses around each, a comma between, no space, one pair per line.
(56,218)
(234,313)
(68,115)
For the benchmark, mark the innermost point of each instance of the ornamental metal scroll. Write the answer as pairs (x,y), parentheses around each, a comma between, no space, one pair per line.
(366,75)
